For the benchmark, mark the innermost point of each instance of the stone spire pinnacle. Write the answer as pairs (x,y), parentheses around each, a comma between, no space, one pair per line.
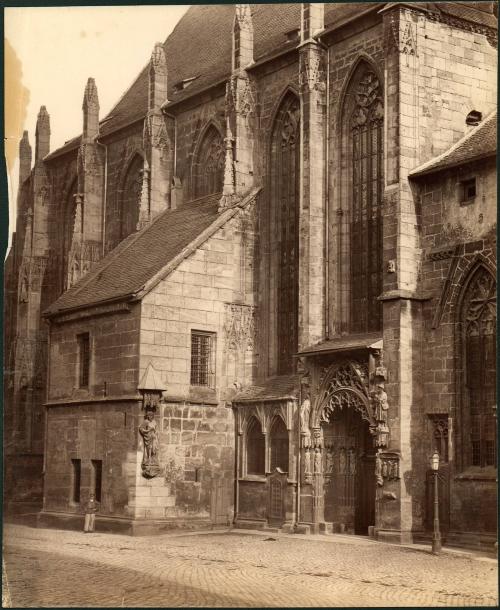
(90,109)
(157,77)
(42,135)
(242,37)
(25,155)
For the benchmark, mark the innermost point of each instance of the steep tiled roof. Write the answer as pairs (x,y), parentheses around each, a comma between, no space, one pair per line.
(209,58)
(479,143)
(127,268)
(359,341)
(272,388)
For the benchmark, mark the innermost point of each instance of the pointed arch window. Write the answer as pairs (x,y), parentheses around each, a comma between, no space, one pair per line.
(255,448)
(285,164)
(278,441)
(68,229)
(363,130)
(131,195)
(479,359)
(209,164)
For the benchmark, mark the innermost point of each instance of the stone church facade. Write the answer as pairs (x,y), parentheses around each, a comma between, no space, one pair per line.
(262,290)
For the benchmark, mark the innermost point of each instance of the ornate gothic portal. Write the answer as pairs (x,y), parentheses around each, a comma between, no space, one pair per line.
(340,440)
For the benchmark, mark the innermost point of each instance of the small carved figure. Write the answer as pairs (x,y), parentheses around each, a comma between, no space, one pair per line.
(342,461)
(378,470)
(304,414)
(307,462)
(385,469)
(149,433)
(329,462)
(317,460)
(352,461)
(381,404)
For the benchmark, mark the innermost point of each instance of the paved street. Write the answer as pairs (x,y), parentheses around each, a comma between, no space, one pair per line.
(48,568)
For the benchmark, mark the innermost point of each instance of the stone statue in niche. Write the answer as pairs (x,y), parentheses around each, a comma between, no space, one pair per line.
(305,410)
(148,431)
(381,404)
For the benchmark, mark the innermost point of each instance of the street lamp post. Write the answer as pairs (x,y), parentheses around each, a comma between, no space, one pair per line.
(436,534)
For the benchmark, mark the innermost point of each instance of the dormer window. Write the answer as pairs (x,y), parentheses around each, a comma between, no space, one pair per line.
(184,84)
(467,191)
(292,35)
(474,118)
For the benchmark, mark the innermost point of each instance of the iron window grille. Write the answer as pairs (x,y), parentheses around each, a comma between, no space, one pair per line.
(203,359)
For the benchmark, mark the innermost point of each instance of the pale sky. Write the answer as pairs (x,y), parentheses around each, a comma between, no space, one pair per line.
(58,49)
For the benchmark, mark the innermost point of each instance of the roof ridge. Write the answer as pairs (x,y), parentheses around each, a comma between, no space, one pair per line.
(453,147)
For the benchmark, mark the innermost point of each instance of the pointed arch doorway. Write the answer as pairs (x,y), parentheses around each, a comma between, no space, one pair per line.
(344,425)
(349,472)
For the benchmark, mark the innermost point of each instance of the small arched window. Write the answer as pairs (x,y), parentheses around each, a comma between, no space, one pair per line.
(255,447)
(479,359)
(278,441)
(132,186)
(209,164)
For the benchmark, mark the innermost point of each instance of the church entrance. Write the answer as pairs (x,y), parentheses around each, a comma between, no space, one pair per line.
(349,472)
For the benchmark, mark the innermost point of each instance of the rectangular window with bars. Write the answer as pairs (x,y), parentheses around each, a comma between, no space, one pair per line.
(84,360)
(203,359)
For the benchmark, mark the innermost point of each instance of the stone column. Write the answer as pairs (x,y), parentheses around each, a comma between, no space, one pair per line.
(402,308)
(312,78)
(317,480)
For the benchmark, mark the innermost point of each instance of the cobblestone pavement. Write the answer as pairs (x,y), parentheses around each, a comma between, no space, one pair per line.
(48,568)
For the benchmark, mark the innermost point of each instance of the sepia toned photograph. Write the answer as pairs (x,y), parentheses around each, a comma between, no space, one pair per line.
(249,316)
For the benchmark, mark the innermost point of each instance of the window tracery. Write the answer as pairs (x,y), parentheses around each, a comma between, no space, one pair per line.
(285,151)
(209,164)
(479,357)
(365,119)
(132,185)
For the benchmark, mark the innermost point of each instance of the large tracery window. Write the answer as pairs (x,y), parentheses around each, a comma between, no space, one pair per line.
(365,115)
(131,196)
(285,160)
(479,356)
(209,164)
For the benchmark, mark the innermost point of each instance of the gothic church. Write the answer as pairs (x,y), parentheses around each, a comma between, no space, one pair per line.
(262,290)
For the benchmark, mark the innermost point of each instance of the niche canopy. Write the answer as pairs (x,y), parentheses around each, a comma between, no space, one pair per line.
(151,388)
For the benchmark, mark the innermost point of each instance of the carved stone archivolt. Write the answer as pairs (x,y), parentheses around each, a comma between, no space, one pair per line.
(342,386)
(240,327)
